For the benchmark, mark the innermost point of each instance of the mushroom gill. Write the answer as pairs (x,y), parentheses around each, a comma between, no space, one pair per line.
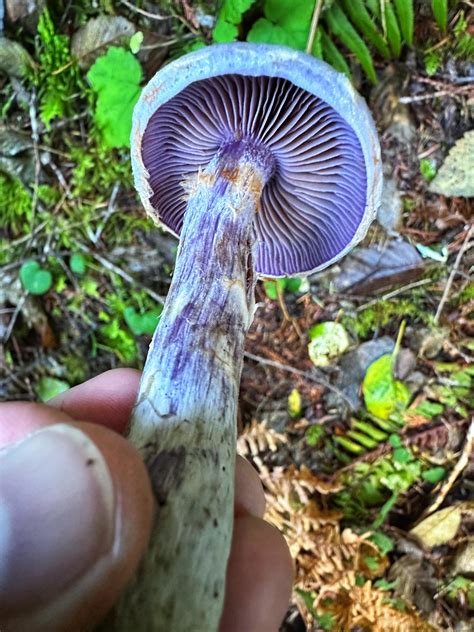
(315,199)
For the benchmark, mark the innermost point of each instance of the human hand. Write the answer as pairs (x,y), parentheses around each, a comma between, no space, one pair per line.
(76,511)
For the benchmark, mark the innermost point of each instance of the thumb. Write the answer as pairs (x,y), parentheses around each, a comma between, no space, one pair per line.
(75,515)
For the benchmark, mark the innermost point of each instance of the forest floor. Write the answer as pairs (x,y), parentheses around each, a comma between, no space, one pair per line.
(362,429)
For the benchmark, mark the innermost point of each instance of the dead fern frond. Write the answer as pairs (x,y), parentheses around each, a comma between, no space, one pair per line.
(257,438)
(364,607)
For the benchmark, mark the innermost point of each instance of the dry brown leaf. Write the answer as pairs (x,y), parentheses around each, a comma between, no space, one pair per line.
(441,526)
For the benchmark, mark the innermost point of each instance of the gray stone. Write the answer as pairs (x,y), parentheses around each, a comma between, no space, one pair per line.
(389,214)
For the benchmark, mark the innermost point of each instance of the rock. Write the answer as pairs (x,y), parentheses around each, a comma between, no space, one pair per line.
(389,214)
(455,177)
(93,39)
(16,154)
(353,367)
(14,59)
(405,363)
(26,12)
(463,563)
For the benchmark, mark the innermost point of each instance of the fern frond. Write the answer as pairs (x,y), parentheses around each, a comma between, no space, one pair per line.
(440,12)
(346,33)
(406,19)
(332,54)
(374,7)
(360,17)
(393,32)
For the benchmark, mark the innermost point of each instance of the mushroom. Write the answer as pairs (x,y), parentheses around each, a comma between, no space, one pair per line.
(264,161)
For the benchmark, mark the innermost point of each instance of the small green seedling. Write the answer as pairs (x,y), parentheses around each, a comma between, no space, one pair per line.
(35,279)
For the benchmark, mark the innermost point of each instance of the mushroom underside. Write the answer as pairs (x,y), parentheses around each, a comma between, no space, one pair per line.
(315,198)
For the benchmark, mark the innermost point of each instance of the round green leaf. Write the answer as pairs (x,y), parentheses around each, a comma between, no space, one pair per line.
(78,264)
(34,278)
(382,393)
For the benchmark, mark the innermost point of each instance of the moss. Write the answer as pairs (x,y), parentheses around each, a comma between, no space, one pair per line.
(383,313)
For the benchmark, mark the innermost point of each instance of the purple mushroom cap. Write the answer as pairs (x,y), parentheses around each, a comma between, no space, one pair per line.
(320,154)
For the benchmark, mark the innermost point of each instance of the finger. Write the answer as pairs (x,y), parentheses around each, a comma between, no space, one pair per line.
(19,419)
(107,399)
(249,496)
(259,578)
(75,518)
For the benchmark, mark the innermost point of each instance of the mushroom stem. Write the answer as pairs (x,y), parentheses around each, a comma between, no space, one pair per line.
(184,422)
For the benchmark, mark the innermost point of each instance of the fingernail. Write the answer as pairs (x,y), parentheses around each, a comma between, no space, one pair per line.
(56,514)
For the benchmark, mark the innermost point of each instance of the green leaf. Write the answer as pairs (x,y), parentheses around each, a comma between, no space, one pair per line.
(224,32)
(382,393)
(434,474)
(271,288)
(428,409)
(385,510)
(384,543)
(402,455)
(360,17)
(349,445)
(230,16)
(313,434)
(34,278)
(406,19)
(115,77)
(286,22)
(440,12)
(427,169)
(383,584)
(294,403)
(141,323)
(78,264)
(332,54)
(392,31)
(345,32)
(370,430)
(49,387)
(135,42)
(328,340)
(432,61)
(363,439)
(293,285)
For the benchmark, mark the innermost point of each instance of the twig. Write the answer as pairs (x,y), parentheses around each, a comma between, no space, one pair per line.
(126,277)
(289,369)
(449,283)
(35,139)
(394,293)
(147,14)
(110,211)
(433,95)
(314,25)
(456,471)
(13,319)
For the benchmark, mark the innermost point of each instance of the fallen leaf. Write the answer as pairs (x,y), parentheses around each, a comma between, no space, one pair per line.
(370,269)
(440,527)
(96,35)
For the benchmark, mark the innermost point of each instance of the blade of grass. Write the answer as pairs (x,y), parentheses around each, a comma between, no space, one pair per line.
(440,12)
(332,54)
(405,15)
(393,32)
(346,33)
(360,17)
